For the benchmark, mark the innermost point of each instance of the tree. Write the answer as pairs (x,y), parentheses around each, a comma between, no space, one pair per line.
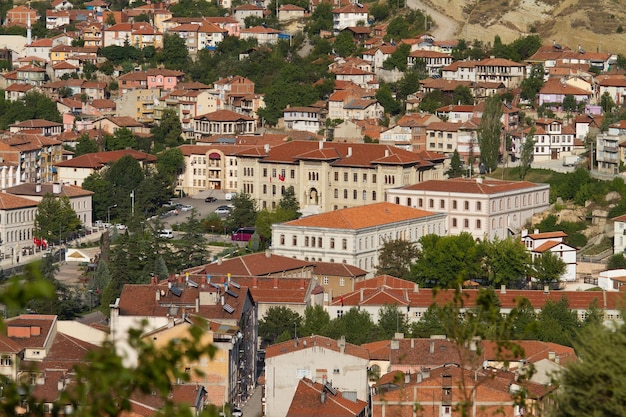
(429,324)
(168,132)
(85,145)
(557,323)
(463,95)
(289,204)
(356,325)
(606,102)
(617,261)
(395,258)
(490,133)
(124,176)
(278,320)
(55,218)
(593,386)
(431,101)
(321,19)
(170,162)
(192,246)
(526,157)
(506,262)
(391,321)
(548,268)
(456,169)
(244,212)
(101,278)
(175,54)
(569,103)
(344,44)
(398,59)
(316,321)
(385,97)
(531,85)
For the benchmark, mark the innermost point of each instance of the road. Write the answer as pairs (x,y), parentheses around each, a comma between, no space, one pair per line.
(445,28)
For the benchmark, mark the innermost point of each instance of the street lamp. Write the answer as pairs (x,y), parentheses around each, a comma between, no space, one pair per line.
(109,213)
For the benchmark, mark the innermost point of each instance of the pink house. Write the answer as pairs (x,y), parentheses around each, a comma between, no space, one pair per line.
(163,78)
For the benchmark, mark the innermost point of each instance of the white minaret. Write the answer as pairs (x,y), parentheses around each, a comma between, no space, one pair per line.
(29,37)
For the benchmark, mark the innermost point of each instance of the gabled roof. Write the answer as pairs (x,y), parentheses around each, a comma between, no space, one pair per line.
(311,342)
(556,86)
(361,217)
(30,189)
(98,160)
(547,235)
(470,186)
(224,116)
(307,402)
(255,264)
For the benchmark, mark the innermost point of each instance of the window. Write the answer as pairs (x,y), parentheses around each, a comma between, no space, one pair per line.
(454,204)
(466,223)
(345,194)
(420,202)
(373,178)
(344,244)
(306,241)
(454,222)
(325,280)
(5,360)
(345,177)
(364,177)
(342,281)
(431,203)
(442,204)
(478,224)
(294,240)
(332,243)
(354,194)
(336,176)
(336,193)
(282,239)
(355,177)
(373,195)
(466,205)
(479,206)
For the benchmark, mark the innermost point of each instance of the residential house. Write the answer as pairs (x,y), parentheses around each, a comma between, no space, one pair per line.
(509,73)
(313,357)
(289,12)
(433,61)
(363,109)
(34,154)
(619,234)
(92,34)
(241,12)
(586,124)
(485,208)
(63,69)
(539,243)
(553,139)
(57,18)
(612,279)
(200,36)
(262,34)
(415,124)
(38,126)
(308,119)
(223,122)
(353,14)
(17,91)
(321,398)
(460,71)
(455,113)
(111,125)
(187,104)
(21,16)
(227,23)
(377,56)
(614,86)
(40,48)
(229,310)
(554,90)
(362,78)
(443,137)
(353,235)
(74,171)
(229,88)
(609,152)
(62,5)
(31,74)
(331,175)
(337,278)
(139,34)
(99,107)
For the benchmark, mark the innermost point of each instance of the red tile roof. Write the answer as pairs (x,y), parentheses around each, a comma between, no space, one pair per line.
(307,402)
(355,218)
(98,160)
(255,264)
(471,186)
(311,342)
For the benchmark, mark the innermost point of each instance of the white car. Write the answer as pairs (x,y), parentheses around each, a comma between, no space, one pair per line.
(223,210)
(229,196)
(120,226)
(186,207)
(166,234)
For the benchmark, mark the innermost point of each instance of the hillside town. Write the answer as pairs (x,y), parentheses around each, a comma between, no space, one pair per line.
(297,209)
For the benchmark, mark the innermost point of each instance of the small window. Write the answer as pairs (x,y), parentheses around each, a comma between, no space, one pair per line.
(344,244)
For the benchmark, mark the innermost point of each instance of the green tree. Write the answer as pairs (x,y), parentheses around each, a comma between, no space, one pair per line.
(456,169)
(244,212)
(395,258)
(192,246)
(85,145)
(168,132)
(432,101)
(124,176)
(175,54)
(316,321)
(170,162)
(384,95)
(506,262)
(55,218)
(278,320)
(356,325)
(399,57)
(530,86)
(526,156)
(490,133)
(102,194)
(463,95)
(321,19)
(593,386)
(606,102)
(548,268)
(569,103)
(391,321)
(289,203)
(447,261)
(557,323)
(617,261)
(101,277)
(429,324)
(344,44)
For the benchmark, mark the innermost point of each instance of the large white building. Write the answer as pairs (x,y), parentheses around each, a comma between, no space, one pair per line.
(354,235)
(485,208)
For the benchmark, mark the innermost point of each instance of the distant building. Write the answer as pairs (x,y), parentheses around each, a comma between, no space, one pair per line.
(619,235)
(485,208)
(539,243)
(353,235)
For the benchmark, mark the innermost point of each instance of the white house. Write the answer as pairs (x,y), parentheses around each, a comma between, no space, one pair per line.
(353,235)
(612,280)
(316,358)
(354,14)
(619,234)
(540,243)
(485,208)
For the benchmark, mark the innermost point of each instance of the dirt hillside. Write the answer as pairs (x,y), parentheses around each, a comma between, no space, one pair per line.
(596,25)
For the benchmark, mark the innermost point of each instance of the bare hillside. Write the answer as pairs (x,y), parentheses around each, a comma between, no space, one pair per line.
(595,25)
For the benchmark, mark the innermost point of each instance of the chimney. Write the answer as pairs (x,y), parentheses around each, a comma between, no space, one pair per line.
(419,377)
(416,288)
(407,378)
(208,278)
(266,147)
(479,180)
(342,344)
(386,153)
(432,345)
(321,143)
(536,231)
(254,282)
(349,152)
(301,283)
(268,253)
(158,294)
(275,282)
(222,300)
(362,291)
(197,304)
(228,276)
(551,356)
(502,289)
(38,188)
(546,289)
(56,188)
(219,260)
(524,232)
(412,343)
(61,384)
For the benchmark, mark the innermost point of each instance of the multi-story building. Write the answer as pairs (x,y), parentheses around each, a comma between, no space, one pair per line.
(308,119)
(609,150)
(313,357)
(21,16)
(484,208)
(353,14)
(331,175)
(354,235)
(553,140)
(34,155)
(433,60)
(223,122)
(138,103)
(619,234)
(509,73)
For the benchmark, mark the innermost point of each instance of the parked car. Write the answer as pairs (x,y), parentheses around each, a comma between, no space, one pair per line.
(186,207)
(223,210)
(120,226)
(229,196)
(166,234)
(210,199)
